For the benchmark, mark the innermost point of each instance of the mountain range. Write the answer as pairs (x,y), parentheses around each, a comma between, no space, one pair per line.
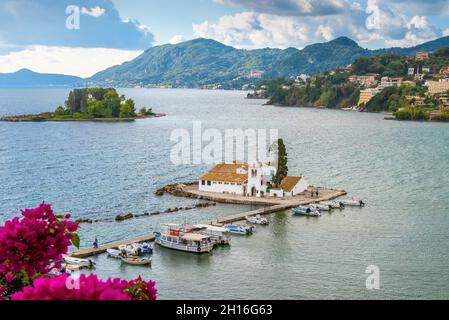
(202,62)
(27,78)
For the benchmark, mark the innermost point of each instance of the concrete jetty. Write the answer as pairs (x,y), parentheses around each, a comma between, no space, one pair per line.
(271,205)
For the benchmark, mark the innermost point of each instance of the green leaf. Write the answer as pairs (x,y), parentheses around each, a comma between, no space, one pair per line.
(76,240)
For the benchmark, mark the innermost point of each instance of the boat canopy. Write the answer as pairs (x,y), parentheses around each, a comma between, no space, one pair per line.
(195,237)
(211,228)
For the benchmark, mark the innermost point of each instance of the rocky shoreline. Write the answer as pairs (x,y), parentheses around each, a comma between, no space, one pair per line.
(128,216)
(177,189)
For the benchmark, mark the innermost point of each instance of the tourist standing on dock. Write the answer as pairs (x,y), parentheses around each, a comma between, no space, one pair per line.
(95,244)
(317,192)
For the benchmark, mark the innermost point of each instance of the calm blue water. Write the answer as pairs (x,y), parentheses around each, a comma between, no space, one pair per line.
(98,170)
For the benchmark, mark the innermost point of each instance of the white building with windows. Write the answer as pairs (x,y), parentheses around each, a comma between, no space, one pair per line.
(251,180)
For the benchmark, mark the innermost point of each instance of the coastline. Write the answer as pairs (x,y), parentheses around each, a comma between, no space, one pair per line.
(46,117)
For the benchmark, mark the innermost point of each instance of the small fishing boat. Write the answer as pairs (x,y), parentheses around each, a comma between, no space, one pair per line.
(82,263)
(333,204)
(68,268)
(137,261)
(235,229)
(257,220)
(353,203)
(220,235)
(113,253)
(307,211)
(183,239)
(321,207)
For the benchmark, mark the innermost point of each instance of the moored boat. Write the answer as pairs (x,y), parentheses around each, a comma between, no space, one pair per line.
(183,239)
(133,249)
(147,248)
(333,204)
(219,234)
(81,263)
(321,207)
(243,230)
(257,220)
(136,261)
(113,253)
(307,211)
(353,203)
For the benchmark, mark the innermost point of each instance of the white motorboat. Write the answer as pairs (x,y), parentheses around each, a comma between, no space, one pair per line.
(307,211)
(82,263)
(133,249)
(321,207)
(333,204)
(243,230)
(113,253)
(353,203)
(257,220)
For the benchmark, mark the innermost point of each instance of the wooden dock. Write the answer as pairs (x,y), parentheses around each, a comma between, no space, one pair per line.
(272,208)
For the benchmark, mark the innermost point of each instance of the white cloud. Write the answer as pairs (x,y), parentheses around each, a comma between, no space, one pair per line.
(83,62)
(258,30)
(384,20)
(419,30)
(326,32)
(290,7)
(93,12)
(177,39)
(356,6)
(446,32)
(254,30)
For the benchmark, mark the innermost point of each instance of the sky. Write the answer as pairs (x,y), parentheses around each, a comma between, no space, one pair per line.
(82,37)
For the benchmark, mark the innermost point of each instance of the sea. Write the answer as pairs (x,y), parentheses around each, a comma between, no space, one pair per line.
(99,170)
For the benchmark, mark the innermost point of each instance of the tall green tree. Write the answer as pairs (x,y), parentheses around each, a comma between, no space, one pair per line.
(282,170)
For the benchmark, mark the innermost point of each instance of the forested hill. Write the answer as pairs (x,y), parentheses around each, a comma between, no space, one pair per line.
(203,62)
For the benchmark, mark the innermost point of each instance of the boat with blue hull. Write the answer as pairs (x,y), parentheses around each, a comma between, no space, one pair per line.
(307,211)
(242,230)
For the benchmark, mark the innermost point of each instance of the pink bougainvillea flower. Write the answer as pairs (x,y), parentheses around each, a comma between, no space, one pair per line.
(9,277)
(32,243)
(85,287)
(2,292)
